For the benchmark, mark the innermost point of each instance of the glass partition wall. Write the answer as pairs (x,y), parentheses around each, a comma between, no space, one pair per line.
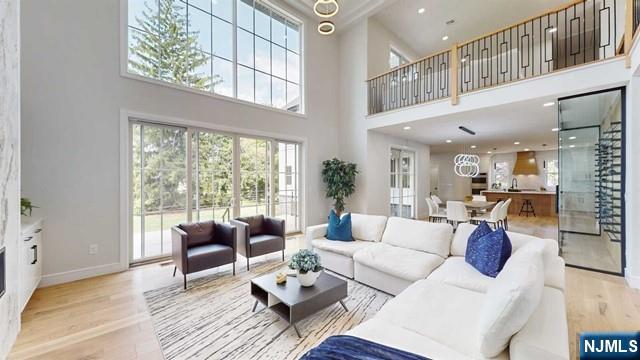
(231,175)
(591,180)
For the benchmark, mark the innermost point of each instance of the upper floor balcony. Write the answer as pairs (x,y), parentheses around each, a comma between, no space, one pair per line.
(583,32)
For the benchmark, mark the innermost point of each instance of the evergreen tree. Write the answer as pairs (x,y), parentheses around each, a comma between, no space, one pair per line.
(166,51)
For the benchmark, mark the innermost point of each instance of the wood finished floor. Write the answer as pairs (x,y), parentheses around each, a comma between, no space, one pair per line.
(107,318)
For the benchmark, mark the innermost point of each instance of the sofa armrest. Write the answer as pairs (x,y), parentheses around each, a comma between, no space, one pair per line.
(314,232)
(274,226)
(242,236)
(179,248)
(225,234)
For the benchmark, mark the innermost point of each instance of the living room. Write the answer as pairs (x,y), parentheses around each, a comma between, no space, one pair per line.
(117,154)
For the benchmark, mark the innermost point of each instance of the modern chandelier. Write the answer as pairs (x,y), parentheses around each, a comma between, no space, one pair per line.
(466,164)
(326,9)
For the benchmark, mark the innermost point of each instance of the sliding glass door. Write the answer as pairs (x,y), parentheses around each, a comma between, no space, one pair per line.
(159,179)
(224,175)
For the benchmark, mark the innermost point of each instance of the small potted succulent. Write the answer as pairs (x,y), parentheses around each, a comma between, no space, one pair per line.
(307,265)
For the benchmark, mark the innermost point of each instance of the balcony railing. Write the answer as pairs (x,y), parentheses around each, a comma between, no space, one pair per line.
(580,33)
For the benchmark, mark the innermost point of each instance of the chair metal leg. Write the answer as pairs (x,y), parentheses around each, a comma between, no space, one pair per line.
(174,271)
(234,268)
(185,281)
(296,329)
(344,306)
(247,263)
(282,254)
(255,304)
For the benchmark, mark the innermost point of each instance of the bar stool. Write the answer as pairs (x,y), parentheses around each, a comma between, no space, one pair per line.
(527,208)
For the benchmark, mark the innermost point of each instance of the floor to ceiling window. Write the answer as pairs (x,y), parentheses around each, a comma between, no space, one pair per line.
(237,48)
(230,174)
(403,193)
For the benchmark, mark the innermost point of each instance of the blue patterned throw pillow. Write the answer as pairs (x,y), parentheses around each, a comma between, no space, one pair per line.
(487,250)
(339,228)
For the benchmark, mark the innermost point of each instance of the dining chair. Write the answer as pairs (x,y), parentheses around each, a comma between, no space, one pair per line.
(457,213)
(436,199)
(434,211)
(492,218)
(479,198)
(504,214)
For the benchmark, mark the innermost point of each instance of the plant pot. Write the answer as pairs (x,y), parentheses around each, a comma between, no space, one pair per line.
(309,278)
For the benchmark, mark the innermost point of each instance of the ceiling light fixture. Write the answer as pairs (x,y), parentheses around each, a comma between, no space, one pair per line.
(526,149)
(421,11)
(547,104)
(572,146)
(553,29)
(445,38)
(516,143)
(489,152)
(555,129)
(449,141)
(331,8)
(326,28)
(473,146)
(466,164)
(463,59)
(407,128)
(572,138)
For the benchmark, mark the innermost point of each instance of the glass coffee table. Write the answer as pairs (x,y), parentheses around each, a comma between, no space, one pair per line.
(293,302)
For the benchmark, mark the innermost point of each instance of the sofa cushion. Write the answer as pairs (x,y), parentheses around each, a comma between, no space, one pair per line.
(511,299)
(339,228)
(265,244)
(367,227)
(418,235)
(446,314)
(345,248)
(400,262)
(255,223)
(456,272)
(199,233)
(488,253)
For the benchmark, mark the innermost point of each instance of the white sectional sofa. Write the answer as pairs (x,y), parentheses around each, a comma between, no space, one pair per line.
(444,308)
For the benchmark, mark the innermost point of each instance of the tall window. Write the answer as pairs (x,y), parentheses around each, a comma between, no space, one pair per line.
(191,43)
(552,173)
(501,173)
(402,189)
(396,59)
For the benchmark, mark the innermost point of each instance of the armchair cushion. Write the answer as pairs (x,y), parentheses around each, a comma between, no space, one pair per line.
(209,256)
(265,244)
(200,233)
(255,224)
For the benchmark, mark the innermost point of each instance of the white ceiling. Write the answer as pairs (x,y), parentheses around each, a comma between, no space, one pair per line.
(497,128)
(473,18)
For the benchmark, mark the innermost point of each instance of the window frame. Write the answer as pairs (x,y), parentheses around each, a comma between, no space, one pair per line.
(547,173)
(403,60)
(301,113)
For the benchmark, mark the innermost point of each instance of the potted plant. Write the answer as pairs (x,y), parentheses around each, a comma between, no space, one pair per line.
(26,207)
(340,179)
(307,265)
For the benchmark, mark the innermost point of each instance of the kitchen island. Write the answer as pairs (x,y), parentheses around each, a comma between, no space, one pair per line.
(544,202)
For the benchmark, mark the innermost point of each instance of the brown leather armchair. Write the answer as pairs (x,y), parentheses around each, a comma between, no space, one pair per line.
(201,246)
(259,235)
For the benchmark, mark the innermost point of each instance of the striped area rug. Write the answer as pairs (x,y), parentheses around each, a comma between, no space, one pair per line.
(213,319)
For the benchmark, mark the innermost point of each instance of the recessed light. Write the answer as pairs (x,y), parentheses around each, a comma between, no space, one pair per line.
(463,59)
(572,138)
(527,149)
(407,128)
(572,146)
(421,11)
(473,146)
(547,104)
(449,141)
(516,143)
(488,152)
(553,29)
(444,38)
(555,129)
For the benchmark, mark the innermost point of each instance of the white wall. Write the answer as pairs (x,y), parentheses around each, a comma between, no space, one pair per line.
(9,168)
(72,97)
(380,42)
(378,163)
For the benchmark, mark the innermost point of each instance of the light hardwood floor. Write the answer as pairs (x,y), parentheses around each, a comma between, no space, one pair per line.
(107,318)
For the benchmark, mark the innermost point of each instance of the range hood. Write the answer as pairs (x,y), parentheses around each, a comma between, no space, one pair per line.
(526,163)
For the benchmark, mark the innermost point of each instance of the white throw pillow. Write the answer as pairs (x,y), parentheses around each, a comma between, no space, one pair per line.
(419,235)
(511,299)
(367,227)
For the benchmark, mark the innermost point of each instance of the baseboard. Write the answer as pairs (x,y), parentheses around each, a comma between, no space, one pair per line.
(79,274)
(632,280)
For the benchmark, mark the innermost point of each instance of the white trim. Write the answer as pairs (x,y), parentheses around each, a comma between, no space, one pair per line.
(79,274)
(125,185)
(632,280)
(124,71)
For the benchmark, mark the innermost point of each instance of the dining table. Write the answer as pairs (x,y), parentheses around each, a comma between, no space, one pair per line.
(477,206)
